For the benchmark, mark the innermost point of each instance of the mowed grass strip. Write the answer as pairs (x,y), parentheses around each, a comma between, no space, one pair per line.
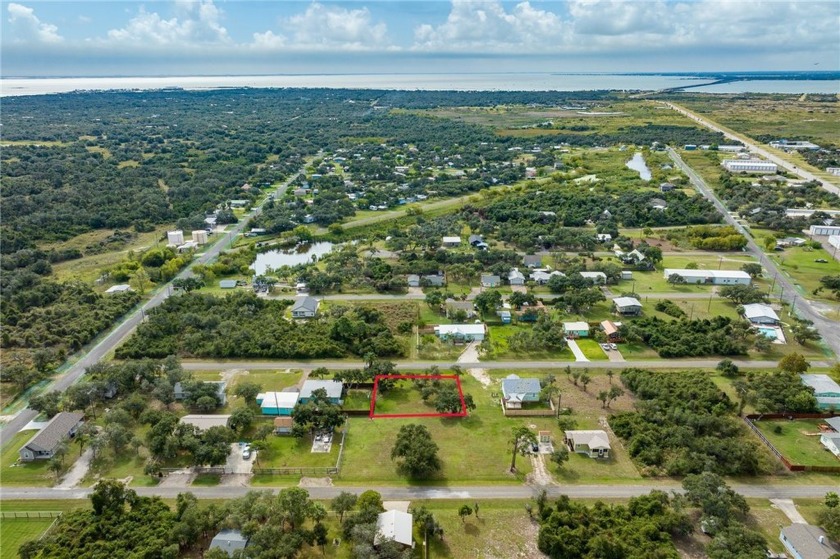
(36,473)
(18,531)
(798,441)
(404,398)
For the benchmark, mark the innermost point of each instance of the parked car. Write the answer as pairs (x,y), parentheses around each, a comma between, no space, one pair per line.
(614,347)
(605,347)
(246,453)
(821,260)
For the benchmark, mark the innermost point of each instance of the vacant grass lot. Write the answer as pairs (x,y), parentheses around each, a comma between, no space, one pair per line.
(499,334)
(34,473)
(16,532)
(405,398)
(592,350)
(800,264)
(476,449)
(798,441)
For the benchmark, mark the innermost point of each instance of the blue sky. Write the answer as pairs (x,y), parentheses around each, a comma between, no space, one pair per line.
(181,37)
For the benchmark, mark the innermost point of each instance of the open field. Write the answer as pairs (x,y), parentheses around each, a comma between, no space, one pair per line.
(34,473)
(405,398)
(499,334)
(798,441)
(16,532)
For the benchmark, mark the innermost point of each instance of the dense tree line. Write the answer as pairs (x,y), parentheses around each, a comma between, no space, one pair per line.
(243,325)
(777,392)
(683,424)
(691,338)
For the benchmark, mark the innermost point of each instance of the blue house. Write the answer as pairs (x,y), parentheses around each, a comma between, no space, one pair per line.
(505,316)
(277,403)
(333,388)
(516,391)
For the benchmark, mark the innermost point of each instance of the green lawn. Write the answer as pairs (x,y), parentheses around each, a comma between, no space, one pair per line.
(475,449)
(290,452)
(404,398)
(799,263)
(34,473)
(498,335)
(592,350)
(357,399)
(207,480)
(798,441)
(16,532)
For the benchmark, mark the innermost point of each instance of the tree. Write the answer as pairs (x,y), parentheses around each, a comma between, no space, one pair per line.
(727,368)
(832,500)
(560,456)
(829,519)
(676,279)
(715,499)
(317,414)
(585,379)
(84,435)
(602,396)
(464,512)
(416,451)
(47,403)
(187,284)
(488,301)
(803,331)
(522,439)
(736,541)
(614,393)
(753,269)
(141,281)
(240,419)
(769,242)
(434,299)
(342,504)
(743,294)
(248,391)
(794,363)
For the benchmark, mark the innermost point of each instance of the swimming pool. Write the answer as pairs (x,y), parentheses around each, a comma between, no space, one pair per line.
(769,332)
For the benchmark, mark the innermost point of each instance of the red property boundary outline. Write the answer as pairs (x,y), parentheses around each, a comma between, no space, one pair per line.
(376,379)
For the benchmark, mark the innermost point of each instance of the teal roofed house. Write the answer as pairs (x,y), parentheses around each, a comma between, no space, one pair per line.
(826,390)
(277,403)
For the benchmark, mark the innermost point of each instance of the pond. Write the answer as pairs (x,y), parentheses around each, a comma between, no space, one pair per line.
(638,164)
(301,254)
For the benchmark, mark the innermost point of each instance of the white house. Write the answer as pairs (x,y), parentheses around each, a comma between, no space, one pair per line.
(595,444)
(451,241)
(461,332)
(831,441)
(598,278)
(120,288)
(396,526)
(711,277)
(205,421)
(305,307)
(757,313)
(515,277)
(627,305)
(824,230)
(749,166)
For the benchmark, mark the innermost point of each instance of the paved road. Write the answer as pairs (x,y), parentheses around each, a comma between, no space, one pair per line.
(755,148)
(827,328)
(451,492)
(418,365)
(124,329)
(471,296)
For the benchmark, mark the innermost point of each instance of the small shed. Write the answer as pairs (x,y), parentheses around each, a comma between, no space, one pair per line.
(120,288)
(396,526)
(227,284)
(229,541)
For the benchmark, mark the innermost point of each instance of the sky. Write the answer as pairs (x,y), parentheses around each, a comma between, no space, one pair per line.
(233,37)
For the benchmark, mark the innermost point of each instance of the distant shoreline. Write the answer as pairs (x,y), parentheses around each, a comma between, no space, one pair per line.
(797,82)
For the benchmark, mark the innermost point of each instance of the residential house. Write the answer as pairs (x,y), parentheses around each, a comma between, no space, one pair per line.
(305,307)
(603,237)
(666,187)
(413,280)
(432,280)
(826,390)
(42,446)
(476,240)
(120,288)
(204,422)
(334,389)
(610,328)
(712,277)
(180,393)
(227,284)
(283,425)
(598,278)
(490,280)
(277,403)
(505,316)
(576,329)
(595,443)
(229,541)
(452,307)
(758,313)
(515,277)
(451,242)
(395,526)
(804,541)
(831,441)
(516,391)
(542,277)
(834,423)
(309,218)
(461,332)
(532,261)
(658,204)
(790,242)
(627,306)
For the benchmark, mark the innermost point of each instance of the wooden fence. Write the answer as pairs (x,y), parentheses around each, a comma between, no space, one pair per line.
(752,418)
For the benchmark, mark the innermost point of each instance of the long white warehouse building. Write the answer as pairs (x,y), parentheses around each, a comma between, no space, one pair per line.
(712,277)
(749,166)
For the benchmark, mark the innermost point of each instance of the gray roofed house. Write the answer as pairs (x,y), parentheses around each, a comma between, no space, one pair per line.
(204,422)
(517,390)
(453,306)
(476,239)
(826,390)
(593,443)
(834,422)
(490,280)
(334,389)
(413,280)
(221,385)
(432,280)
(598,278)
(760,314)
(305,307)
(227,284)
(532,260)
(515,277)
(43,444)
(396,526)
(627,305)
(229,541)
(805,541)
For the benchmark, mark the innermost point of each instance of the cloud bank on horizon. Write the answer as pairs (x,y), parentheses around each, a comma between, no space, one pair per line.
(205,37)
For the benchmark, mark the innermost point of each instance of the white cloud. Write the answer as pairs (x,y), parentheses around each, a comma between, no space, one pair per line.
(25,26)
(196,23)
(323,27)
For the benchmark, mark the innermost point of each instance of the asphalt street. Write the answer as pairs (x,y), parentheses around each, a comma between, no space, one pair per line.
(609,491)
